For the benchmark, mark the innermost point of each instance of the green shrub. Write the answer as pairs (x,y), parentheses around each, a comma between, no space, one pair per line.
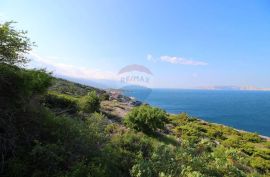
(113,128)
(18,86)
(122,151)
(248,148)
(251,137)
(264,153)
(61,101)
(261,164)
(83,169)
(224,162)
(179,119)
(97,123)
(133,142)
(146,118)
(233,141)
(48,159)
(90,103)
(162,162)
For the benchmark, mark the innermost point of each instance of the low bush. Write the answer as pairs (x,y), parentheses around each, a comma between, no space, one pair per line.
(146,118)
(89,103)
(179,119)
(97,123)
(123,150)
(251,137)
(260,164)
(53,100)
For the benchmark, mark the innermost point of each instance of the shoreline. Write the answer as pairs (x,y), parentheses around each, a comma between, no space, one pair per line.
(131,100)
(267,138)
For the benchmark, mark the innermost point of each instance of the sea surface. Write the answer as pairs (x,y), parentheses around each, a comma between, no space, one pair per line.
(244,110)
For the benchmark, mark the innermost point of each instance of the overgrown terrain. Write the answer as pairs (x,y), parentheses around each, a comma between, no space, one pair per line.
(54,128)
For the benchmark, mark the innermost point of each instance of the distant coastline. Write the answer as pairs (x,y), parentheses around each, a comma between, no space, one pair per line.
(243,88)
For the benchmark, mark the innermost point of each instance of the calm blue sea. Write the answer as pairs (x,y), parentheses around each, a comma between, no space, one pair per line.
(245,110)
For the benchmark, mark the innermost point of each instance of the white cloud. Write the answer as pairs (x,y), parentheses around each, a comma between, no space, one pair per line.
(181,61)
(175,60)
(70,70)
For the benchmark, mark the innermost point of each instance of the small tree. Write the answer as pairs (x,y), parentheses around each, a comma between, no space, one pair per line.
(14,45)
(90,103)
(146,118)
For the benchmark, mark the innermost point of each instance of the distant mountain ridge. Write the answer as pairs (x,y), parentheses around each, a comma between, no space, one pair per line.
(108,84)
(251,88)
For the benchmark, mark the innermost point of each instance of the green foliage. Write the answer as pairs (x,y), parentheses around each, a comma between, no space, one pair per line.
(179,119)
(261,164)
(162,162)
(83,169)
(62,86)
(19,85)
(60,144)
(20,90)
(13,45)
(54,100)
(97,123)
(247,146)
(90,103)
(252,137)
(225,162)
(146,118)
(123,150)
(233,141)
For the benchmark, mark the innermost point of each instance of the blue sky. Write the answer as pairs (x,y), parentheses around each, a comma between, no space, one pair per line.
(185,44)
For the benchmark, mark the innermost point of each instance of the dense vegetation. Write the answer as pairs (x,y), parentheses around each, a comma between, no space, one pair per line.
(53,128)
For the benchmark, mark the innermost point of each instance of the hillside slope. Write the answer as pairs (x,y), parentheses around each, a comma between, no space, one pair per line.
(56,128)
(63,86)
(248,148)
